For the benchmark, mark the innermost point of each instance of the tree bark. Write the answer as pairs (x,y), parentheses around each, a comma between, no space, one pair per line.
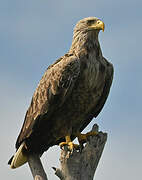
(76,165)
(36,167)
(81,165)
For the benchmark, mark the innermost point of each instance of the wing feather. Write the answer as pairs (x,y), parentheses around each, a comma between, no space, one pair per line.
(52,91)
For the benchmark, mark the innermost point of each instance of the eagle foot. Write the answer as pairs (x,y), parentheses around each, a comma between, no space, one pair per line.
(82,138)
(70,145)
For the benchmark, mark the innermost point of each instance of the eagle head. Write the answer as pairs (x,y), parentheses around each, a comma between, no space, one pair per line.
(85,34)
(90,24)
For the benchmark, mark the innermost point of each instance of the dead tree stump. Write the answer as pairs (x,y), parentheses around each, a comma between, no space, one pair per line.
(76,165)
(82,165)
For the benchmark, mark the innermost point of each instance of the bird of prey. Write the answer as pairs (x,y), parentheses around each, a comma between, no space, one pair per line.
(70,94)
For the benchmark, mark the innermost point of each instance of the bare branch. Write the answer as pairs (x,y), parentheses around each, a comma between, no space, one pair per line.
(36,167)
(82,165)
(76,165)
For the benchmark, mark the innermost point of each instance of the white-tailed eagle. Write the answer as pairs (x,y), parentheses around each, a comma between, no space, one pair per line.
(70,94)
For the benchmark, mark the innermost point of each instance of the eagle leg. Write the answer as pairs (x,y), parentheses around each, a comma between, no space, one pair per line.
(69,143)
(82,138)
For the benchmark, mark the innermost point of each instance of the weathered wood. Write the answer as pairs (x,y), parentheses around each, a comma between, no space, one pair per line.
(76,165)
(36,167)
(82,165)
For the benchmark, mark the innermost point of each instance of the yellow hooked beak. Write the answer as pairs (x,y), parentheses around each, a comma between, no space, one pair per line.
(99,25)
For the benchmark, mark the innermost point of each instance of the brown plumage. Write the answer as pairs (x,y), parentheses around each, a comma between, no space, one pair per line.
(70,94)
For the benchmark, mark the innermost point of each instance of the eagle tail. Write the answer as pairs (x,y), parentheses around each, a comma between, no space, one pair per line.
(19,158)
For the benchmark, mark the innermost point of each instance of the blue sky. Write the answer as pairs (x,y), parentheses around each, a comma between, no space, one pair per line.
(33,34)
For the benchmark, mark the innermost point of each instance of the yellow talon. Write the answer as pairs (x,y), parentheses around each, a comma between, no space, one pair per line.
(69,143)
(91,133)
(82,138)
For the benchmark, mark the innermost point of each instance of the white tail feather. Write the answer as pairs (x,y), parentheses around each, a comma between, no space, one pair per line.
(19,158)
